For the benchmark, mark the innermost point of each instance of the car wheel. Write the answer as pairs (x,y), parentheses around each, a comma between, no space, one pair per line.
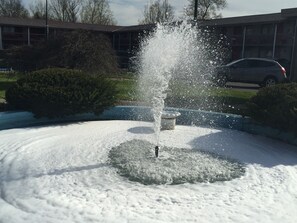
(269,81)
(222,80)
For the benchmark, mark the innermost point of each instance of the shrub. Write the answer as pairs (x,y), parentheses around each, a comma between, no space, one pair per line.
(276,106)
(89,51)
(61,92)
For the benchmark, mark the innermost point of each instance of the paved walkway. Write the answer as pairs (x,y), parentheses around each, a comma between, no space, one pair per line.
(243,86)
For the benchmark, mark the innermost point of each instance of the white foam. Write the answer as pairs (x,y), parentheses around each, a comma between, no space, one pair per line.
(62,174)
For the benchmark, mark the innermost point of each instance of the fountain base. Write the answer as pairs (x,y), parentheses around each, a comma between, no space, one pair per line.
(136,161)
(168,120)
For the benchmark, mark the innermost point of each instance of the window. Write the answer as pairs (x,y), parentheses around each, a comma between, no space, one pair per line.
(8,29)
(259,63)
(238,30)
(240,64)
(252,30)
(267,29)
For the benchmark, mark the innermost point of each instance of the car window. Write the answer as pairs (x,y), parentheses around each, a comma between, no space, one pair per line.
(241,64)
(260,63)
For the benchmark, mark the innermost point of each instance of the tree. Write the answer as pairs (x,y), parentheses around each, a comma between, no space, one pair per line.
(65,10)
(88,51)
(13,8)
(97,12)
(207,9)
(79,49)
(37,9)
(158,12)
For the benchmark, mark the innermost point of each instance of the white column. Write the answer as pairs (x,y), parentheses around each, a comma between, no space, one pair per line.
(130,41)
(243,42)
(28,37)
(119,47)
(274,40)
(1,45)
(293,70)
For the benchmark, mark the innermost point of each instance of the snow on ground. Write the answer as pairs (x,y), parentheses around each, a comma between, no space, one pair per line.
(62,174)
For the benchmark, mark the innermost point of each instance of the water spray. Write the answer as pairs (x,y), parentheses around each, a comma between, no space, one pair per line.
(172,56)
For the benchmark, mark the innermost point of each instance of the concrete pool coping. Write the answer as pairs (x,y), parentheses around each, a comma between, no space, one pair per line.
(21,119)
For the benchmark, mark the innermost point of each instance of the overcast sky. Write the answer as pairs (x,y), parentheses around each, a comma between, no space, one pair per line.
(129,12)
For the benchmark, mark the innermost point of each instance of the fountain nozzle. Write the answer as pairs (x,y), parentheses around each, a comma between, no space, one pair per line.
(157,151)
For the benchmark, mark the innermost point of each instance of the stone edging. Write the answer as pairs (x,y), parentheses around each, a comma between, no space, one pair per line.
(10,120)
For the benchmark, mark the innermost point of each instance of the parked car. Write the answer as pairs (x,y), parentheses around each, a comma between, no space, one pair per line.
(285,64)
(264,72)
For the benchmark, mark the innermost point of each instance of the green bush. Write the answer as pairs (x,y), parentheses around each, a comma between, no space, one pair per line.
(61,92)
(276,106)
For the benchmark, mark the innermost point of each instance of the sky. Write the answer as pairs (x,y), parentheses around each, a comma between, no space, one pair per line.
(129,12)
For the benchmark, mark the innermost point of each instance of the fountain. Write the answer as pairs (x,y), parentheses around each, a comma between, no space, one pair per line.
(172,53)
(168,120)
(107,171)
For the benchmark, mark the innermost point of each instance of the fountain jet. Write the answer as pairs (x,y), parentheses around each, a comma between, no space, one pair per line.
(157,151)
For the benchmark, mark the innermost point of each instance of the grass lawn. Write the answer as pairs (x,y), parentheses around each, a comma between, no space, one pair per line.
(127,88)
(210,98)
(182,95)
(194,97)
(6,80)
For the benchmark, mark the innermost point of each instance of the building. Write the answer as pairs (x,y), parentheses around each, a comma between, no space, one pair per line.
(267,35)
(20,31)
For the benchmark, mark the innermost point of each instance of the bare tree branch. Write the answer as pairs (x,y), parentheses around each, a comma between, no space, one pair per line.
(37,9)
(97,12)
(159,11)
(13,8)
(65,10)
(207,9)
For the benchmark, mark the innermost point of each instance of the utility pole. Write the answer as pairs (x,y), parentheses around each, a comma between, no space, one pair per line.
(196,10)
(46,20)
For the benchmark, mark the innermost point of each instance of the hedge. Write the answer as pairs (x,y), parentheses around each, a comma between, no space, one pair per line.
(61,92)
(276,106)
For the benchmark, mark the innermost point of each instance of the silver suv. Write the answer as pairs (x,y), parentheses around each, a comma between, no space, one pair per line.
(260,71)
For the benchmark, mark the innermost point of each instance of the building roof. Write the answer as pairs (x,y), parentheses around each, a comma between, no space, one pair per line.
(55,24)
(240,20)
(136,28)
(289,12)
(265,18)
(245,20)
